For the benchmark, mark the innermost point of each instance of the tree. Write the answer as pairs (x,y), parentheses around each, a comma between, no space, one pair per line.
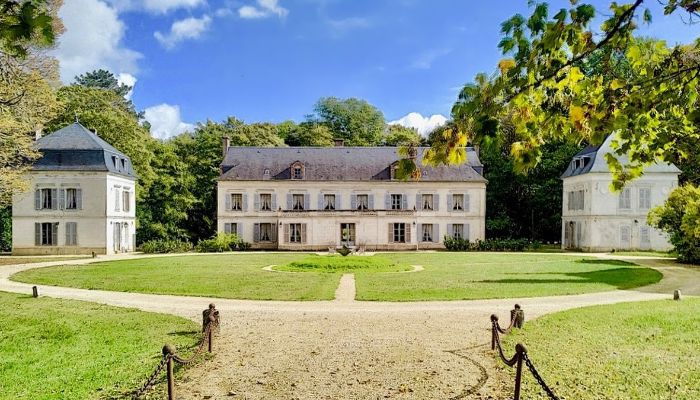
(102,79)
(398,135)
(680,218)
(25,25)
(356,121)
(652,107)
(310,134)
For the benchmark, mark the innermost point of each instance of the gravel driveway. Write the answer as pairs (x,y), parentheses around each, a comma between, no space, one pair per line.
(342,349)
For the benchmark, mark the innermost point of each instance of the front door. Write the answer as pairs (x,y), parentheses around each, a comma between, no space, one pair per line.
(347,234)
(117,237)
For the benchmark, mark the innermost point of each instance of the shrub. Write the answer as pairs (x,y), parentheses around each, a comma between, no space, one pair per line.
(166,246)
(460,244)
(337,263)
(219,243)
(344,251)
(680,218)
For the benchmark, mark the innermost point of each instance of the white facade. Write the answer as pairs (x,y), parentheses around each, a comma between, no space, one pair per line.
(595,218)
(81,198)
(101,218)
(372,228)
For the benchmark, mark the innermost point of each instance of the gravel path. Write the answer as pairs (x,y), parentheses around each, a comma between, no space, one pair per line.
(344,349)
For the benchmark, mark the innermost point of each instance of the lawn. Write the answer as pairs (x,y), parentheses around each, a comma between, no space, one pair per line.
(238,276)
(447,276)
(461,276)
(664,254)
(10,260)
(66,349)
(645,350)
(333,264)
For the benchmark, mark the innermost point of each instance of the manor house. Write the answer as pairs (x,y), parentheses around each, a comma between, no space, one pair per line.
(316,198)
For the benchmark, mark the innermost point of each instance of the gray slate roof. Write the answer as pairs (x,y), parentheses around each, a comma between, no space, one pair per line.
(336,164)
(594,157)
(75,148)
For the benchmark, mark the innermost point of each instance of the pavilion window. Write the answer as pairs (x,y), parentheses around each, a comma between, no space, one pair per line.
(236,201)
(427,202)
(397,202)
(265,202)
(457,202)
(362,202)
(427,234)
(298,202)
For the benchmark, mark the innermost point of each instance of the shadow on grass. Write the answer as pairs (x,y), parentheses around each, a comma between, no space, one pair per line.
(620,278)
(605,262)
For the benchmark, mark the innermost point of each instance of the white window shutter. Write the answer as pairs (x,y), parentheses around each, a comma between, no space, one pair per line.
(61,199)
(54,199)
(408,232)
(404,202)
(256,202)
(37,199)
(227,227)
(450,230)
(37,234)
(391,233)
(419,232)
(54,234)
(303,233)
(273,196)
(286,233)
(320,201)
(353,202)
(370,200)
(466,232)
(449,202)
(338,202)
(289,201)
(387,202)
(466,202)
(436,202)
(307,198)
(227,201)
(256,232)
(244,206)
(79,198)
(436,233)
(419,204)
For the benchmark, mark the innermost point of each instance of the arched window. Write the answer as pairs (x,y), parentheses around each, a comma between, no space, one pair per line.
(297,170)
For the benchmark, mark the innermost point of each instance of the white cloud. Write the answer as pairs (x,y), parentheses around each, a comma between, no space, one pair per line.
(93,40)
(155,6)
(128,80)
(188,28)
(166,121)
(424,125)
(265,8)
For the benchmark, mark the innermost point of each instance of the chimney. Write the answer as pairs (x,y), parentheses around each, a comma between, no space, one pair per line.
(339,142)
(37,134)
(225,143)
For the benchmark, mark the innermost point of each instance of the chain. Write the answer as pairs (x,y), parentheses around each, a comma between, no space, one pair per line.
(538,378)
(151,379)
(205,337)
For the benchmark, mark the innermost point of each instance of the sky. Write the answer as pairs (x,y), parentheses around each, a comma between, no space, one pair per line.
(271,60)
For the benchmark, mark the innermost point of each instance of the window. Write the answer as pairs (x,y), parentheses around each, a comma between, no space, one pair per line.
(576,200)
(399,233)
(294,233)
(427,202)
(266,202)
(236,201)
(427,234)
(117,199)
(47,199)
(231,227)
(297,172)
(71,234)
(458,231)
(644,237)
(297,202)
(644,198)
(71,199)
(396,202)
(265,232)
(329,202)
(126,198)
(46,233)
(362,202)
(625,199)
(457,202)
(625,236)
(347,234)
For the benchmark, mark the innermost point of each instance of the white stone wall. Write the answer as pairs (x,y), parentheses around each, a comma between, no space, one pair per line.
(93,219)
(605,226)
(372,226)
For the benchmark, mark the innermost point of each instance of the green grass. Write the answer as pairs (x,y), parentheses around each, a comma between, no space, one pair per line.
(334,264)
(462,276)
(238,276)
(447,276)
(645,350)
(10,260)
(67,349)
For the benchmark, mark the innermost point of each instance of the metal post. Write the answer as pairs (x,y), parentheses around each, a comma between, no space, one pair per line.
(35,291)
(168,351)
(212,322)
(520,350)
(494,321)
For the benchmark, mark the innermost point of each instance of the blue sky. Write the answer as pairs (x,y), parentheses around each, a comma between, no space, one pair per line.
(270,60)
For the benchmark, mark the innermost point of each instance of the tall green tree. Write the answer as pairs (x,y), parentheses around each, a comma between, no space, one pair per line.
(25,25)
(398,135)
(102,79)
(679,217)
(356,121)
(310,134)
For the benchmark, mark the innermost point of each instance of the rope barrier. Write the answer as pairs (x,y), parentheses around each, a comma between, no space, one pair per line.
(211,324)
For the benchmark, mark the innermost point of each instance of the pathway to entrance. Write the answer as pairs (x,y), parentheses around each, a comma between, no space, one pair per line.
(344,349)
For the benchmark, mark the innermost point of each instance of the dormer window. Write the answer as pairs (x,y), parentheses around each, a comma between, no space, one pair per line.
(393,170)
(114,161)
(123,164)
(297,170)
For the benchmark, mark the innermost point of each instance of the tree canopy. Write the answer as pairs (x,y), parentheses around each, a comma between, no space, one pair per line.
(102,79)
(356,121)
